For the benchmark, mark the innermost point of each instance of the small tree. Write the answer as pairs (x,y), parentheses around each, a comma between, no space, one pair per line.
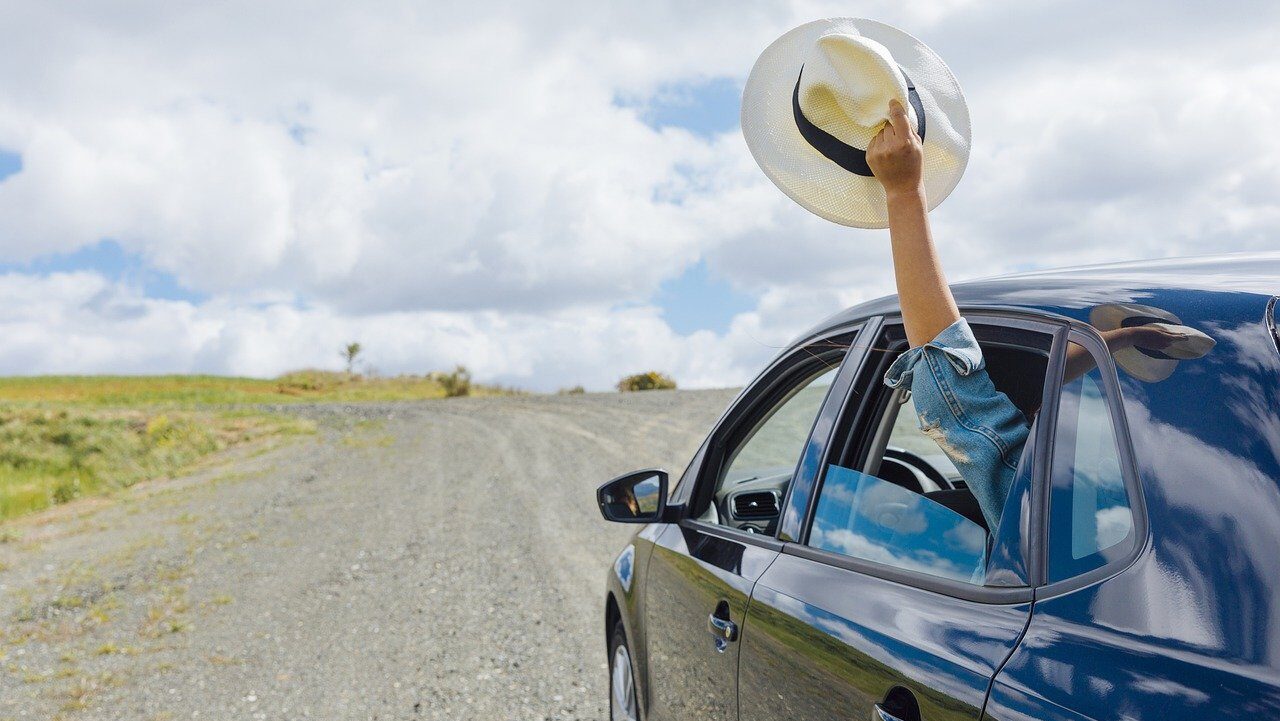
(651,381)
(349,353)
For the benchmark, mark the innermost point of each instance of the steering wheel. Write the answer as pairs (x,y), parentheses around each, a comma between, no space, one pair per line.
(918,462)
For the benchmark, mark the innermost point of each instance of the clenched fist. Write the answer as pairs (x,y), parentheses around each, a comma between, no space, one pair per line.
(896,154)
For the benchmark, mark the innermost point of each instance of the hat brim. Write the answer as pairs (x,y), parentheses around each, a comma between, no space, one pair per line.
(819,184)
(1141,365)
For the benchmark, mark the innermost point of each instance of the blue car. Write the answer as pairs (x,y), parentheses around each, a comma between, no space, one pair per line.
(821,557)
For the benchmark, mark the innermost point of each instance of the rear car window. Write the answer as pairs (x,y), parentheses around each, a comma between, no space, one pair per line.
(1090,514)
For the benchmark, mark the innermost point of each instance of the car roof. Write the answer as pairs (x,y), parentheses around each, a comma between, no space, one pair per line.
(1168,283)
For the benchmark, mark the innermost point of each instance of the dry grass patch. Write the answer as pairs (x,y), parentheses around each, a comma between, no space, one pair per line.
(50,456)
(194,391)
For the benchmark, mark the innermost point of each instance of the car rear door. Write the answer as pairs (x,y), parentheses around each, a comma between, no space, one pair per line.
(846,624)
(703,568)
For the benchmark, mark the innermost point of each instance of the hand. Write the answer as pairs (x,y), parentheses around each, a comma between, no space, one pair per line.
(896,154)
(1155,337)
(1151,337)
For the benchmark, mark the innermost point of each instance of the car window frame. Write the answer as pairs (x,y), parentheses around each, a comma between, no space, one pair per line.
(866,408)
(745,411)
(1089,338)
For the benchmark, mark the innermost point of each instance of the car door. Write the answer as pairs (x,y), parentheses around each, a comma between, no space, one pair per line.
(892,599)
(1151,605)
(1064,668)
(703,567)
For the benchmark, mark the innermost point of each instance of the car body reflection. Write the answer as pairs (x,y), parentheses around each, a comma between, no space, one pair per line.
(1180,620)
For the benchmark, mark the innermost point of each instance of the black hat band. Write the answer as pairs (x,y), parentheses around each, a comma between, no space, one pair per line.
(846,156)
(1134,321)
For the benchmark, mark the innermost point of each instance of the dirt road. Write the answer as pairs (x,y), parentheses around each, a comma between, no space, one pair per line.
(438,560)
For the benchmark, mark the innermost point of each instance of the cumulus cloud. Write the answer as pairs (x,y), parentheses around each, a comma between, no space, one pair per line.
(462,184)
(67,322)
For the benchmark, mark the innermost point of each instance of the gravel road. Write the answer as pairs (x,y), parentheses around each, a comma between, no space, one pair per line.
(434,560)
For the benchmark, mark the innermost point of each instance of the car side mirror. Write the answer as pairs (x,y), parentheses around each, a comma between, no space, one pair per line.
(636,497)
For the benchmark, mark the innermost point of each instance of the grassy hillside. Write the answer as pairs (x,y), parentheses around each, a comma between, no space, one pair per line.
(50,456)
(65,437)
(194,391)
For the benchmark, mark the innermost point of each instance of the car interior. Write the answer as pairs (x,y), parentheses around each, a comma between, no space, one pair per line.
(749,496)
(755,474)
(903,455)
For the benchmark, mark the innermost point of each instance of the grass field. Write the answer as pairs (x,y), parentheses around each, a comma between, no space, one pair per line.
(66,437)
(199,391)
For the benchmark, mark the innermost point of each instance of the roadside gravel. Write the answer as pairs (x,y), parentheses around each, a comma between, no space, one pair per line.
(433,560)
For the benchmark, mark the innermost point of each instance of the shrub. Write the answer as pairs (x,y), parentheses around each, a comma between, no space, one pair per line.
(66,490)
(455,384)
(651,381)
(311,381)
(572,391)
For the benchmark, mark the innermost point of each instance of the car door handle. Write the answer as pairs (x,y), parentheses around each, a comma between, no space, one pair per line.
(723,630)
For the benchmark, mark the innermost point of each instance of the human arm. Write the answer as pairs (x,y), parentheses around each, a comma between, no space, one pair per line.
(896,157)
(975,425)
(1152,337)
(957,406)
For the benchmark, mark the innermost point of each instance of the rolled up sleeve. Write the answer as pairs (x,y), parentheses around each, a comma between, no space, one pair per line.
(958,406)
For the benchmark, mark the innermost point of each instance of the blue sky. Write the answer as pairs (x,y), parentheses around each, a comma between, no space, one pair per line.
(105,257)
(10,163)
(113,262)
(698,299)
(706,107)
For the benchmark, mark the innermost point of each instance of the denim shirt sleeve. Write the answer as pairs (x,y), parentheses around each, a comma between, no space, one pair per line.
(977,426)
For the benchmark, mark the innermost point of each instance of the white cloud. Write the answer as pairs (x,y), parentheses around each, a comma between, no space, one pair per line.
(67,322)
(457,184)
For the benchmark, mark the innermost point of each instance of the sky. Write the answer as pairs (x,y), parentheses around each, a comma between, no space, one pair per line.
(557,193)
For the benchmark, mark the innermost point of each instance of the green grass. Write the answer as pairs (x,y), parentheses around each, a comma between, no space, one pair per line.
(67,437)
(50,456)
(194,391)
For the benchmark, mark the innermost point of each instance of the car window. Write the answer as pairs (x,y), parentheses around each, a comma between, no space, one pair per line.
(778,438)
(866,517)
(756,471)
(913,459)
(894,497)
(1090,515)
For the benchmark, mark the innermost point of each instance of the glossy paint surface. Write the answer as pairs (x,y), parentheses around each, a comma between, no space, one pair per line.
(1192,628)
(690,573)
(1188,629)
(1256,275)
(824,642)
(627,596)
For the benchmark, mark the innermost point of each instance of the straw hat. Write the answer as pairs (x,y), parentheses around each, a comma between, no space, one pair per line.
(820,93)
(1148,364)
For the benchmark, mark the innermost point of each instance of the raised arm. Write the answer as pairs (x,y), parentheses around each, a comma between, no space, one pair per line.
(895,156)
(975,425)
(1152,337)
